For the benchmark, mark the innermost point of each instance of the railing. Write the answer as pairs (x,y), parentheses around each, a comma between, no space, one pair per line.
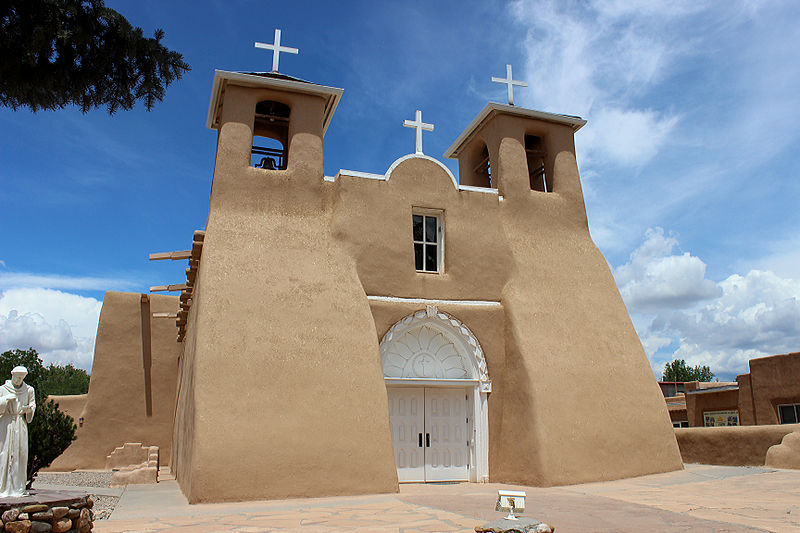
(272,158)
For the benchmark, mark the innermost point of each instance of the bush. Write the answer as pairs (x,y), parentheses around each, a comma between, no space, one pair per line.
(51,431)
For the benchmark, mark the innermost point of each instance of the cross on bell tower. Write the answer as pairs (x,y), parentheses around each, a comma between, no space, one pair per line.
(510,83)
(277,49)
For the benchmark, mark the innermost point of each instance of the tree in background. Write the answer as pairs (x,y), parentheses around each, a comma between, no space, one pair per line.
(51,431)
(678,370)
(59,52)
(62,380)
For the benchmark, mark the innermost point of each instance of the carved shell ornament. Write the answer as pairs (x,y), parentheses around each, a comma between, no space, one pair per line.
(431,344)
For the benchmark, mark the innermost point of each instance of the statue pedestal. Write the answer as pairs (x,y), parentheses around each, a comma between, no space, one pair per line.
(58,511)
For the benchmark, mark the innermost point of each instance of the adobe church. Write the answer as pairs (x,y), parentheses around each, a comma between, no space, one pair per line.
(338,335)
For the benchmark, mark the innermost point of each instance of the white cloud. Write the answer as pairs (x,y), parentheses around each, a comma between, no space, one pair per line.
(10,280)
(678,313)
(59,325)
(655,278)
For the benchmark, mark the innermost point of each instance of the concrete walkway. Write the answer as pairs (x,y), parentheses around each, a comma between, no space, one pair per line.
(699,498)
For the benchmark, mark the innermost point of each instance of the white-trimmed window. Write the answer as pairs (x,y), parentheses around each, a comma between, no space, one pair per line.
(427,229)
(789,413)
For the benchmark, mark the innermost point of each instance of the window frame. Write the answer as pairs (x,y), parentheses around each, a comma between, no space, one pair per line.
(438,214)
(796,412)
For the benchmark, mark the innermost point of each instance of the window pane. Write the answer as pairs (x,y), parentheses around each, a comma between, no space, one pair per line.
(430,229)
(418,256)
(417,227)
(431,259)
(788,414)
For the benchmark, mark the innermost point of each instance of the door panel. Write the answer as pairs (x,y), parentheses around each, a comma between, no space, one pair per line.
(446,423)
(407,419)
(429,433)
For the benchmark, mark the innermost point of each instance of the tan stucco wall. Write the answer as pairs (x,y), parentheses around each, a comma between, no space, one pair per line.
(786,454)
(71,404)
(734,445)
(115,410)
(746,407)
(774,381)
(287,397)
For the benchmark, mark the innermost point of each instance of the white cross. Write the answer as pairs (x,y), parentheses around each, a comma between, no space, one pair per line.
(510,83)
(277,49)
(419,126)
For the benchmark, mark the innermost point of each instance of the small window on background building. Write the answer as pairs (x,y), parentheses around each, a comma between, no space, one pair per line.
(789,413)
(427,232)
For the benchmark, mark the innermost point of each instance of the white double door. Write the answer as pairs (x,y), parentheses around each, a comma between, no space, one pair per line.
(430,433)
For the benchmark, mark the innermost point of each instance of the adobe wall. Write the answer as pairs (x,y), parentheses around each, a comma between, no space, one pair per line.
(284,354)
(71,404)
(774,381)
(730,445)
(698,404)
(746,406)
(116,409)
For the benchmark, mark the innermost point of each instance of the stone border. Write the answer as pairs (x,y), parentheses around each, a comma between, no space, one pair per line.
(69,514)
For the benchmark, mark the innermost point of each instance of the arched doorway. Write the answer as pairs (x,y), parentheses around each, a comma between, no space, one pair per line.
(437,384)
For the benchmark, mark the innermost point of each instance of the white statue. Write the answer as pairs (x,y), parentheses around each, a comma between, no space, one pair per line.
(17,404)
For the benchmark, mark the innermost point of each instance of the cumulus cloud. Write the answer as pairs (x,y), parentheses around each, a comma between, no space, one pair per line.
(678,313)
(654,278)
(61,326)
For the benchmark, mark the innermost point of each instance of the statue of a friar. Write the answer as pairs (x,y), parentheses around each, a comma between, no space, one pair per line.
(17,404)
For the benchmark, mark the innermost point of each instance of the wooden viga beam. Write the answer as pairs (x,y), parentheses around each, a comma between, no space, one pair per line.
(168,288)
(175,256)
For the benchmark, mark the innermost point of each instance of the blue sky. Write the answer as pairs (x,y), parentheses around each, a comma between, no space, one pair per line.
(689,161)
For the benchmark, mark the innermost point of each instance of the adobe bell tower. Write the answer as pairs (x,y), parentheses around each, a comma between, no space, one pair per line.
(278,322)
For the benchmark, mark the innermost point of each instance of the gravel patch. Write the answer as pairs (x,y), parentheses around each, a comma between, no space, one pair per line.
(74,479)
(103,505)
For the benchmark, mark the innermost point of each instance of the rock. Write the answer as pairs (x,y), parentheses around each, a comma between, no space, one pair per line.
(44,516)
(20,526)
(10,515)
(73,514)
(85,519)
(35,508)
(59,512)
(62,526)
(23,516)
(40,527)
(89,502)
(523,525)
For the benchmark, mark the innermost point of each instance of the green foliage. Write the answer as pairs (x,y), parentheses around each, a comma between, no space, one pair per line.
(51,431)
(60,380)
(678,370)
(60,52)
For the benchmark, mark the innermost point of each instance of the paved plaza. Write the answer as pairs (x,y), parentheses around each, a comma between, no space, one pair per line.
(699,498)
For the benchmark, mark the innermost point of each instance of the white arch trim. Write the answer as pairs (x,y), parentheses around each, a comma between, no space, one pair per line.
(388,175)
(454,330)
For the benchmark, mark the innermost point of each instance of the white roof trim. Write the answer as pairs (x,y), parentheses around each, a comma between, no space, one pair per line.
(493,108)
(421,156)
(487,190)
(222,78)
